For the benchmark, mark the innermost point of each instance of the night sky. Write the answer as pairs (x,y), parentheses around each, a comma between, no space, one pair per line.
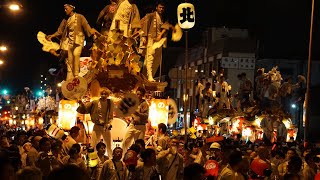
(281,25)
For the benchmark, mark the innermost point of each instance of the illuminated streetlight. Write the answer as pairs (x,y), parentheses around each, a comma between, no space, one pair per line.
(1,62)
(14,6)
(3,48)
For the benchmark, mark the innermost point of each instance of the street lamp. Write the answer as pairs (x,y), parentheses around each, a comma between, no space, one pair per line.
(3,48)
(14,6)
(1,62)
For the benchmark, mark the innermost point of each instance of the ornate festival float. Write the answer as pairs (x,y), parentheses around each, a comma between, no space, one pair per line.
(250,123)
(115,64)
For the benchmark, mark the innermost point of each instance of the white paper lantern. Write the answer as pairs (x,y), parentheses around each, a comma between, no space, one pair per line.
(186,15)
(158,112)
(67,114)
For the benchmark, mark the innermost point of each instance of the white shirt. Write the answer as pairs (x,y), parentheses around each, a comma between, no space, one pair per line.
(71,25)
(228,174)
(123,15)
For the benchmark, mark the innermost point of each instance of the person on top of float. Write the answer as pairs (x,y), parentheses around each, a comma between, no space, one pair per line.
(72,31)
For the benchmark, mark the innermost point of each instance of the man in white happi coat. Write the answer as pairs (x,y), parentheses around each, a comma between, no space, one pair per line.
(72,32)
(126,18)
(154,30)
(222,90)
(137,127)
(101,112)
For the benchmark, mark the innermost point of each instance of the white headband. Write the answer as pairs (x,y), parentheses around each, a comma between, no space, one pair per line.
(70,5)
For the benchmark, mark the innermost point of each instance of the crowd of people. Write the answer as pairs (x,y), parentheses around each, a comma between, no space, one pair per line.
(269,91)
(36,155)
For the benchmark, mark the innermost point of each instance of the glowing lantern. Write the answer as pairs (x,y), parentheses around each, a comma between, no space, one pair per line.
(88,125)
(40,121)
(186,15)
(247,132)
(10,121)
(292,134)
(31,122)
(93,158)
(55,132)
(158,112)
(67,114)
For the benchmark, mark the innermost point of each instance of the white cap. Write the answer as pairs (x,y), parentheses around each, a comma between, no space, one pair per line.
(215,145)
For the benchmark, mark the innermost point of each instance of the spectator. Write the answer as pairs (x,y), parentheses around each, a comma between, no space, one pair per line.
(101,148)
(69,141)
(148,170)
(82,137)
(74,157)
(141,143)
(44,159)
(56,149)
(68,172)
(261,163)
(310,167)
(171,165)
(114,169)
(194,171)
(231,171)
(29,173)
(283,167)
(163,138)
(195,155)
(294,168)
(6,169)
(33,154)
(281,131)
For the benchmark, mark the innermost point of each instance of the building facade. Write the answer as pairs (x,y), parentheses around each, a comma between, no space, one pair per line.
(222,48)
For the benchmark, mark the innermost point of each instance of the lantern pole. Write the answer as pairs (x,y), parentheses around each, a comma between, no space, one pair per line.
(186,14)
(307,98)
(185,98)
